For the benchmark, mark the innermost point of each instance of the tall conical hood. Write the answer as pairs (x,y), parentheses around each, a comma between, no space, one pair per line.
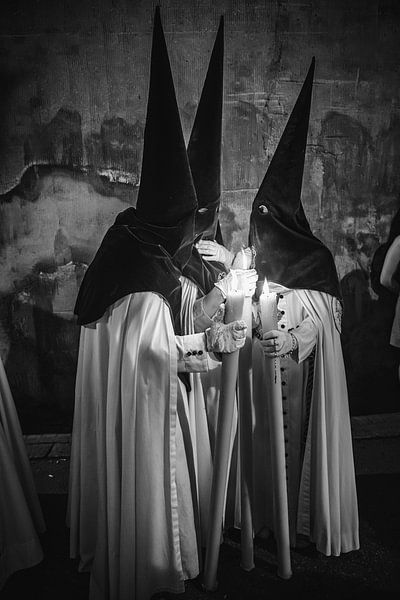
(287,252)
(204,148)
(166,194)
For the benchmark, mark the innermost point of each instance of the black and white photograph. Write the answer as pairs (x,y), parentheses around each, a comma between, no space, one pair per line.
(199,299)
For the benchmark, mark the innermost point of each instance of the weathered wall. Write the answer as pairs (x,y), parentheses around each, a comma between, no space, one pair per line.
(73,87)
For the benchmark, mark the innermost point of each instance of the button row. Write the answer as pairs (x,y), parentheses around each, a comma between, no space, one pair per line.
(194,352)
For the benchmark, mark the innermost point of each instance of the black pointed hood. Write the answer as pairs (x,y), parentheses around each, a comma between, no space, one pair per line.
(287,252)
(147,247)
(204,148)
(167,196)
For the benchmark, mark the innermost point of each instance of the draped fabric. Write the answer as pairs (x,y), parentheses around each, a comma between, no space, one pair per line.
(134,257)
(136,455)
(202,273)
(131,258)
(321,480)
(328,510)
(21,517)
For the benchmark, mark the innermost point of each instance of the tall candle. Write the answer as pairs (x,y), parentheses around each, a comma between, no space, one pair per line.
(245,429)
(233,311)
(268,311)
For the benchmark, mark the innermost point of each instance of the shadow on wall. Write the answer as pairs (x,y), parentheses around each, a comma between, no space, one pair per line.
(42,341)
(51,225)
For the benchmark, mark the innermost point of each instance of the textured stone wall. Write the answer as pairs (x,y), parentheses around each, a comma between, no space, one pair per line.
(73,89)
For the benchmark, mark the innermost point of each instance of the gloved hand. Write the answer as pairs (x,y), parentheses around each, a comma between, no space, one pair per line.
(243,259)
(238,280)
(226,337)
(277,343)
(213,251)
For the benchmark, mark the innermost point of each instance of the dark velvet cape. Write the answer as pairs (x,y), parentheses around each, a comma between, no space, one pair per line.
(132,258)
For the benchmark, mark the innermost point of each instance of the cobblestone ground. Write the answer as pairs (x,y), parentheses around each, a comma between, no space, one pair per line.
(372,572)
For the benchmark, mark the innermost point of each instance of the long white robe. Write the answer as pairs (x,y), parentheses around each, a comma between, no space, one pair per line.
(131,508)
(320,468)
(21,517)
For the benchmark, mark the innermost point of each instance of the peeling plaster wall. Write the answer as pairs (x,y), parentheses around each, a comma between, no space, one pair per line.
(73,89)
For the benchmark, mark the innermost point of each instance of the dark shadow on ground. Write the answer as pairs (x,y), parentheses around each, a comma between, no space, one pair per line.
(371,572)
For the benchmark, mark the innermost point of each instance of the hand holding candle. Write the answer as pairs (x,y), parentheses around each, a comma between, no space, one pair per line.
(278,343)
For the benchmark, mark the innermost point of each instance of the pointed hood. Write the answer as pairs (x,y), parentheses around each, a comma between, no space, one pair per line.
(204,148)
(287,252)
(147,247)
(167,195)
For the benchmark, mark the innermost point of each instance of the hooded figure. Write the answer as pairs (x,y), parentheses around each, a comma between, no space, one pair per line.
(286,250)
(133,497)
(204,152)
(301,271)
(204,148)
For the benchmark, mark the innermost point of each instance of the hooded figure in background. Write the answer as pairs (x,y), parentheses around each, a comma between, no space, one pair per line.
(301,271)
(389,280)
(204,152)
(133,497)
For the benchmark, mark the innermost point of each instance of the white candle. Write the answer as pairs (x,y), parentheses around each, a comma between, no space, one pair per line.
(233,311)
(243,258)
(245,400)
(268,309)
(269,321)
(234,300)
(234,305)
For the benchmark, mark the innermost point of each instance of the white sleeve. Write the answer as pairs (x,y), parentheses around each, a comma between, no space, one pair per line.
(306,334)
(192,353)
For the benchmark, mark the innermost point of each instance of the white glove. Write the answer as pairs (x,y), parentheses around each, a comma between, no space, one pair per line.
(226,337)
(243,259)
(245,280)
(213,251)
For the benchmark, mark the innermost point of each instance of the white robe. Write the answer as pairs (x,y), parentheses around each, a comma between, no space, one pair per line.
(131,508)
(20,514)
(320,469)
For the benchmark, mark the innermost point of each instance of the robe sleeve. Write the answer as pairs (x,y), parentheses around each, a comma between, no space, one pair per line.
(192,353)
(306,334)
